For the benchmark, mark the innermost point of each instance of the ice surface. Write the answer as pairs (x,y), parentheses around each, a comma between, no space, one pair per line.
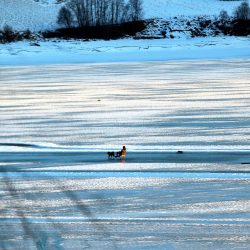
(124,50)
(58,190)
(125,213)
(194,105)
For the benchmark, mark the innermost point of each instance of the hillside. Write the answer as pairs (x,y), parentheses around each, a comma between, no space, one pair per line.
(27,14)
(41,15)
(171,8)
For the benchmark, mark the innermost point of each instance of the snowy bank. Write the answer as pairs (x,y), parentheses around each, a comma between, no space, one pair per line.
(23,14)
(125,50)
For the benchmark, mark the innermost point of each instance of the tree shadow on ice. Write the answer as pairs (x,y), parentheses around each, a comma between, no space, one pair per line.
(30,230)
(37,234)
(101,232)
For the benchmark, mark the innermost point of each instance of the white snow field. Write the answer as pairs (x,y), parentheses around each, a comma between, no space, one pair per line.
(27,14)
(59,190)
(172,8)
(124,50)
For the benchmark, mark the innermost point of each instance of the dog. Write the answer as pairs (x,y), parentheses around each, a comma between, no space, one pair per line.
(111,154)
(118,154)
(179,152)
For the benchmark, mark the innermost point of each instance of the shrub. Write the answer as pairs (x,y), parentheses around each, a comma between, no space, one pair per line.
(8,35)
(98,32)
(27,34)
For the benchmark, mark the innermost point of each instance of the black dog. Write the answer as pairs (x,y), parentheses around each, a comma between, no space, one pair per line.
(118,154)
(111,154)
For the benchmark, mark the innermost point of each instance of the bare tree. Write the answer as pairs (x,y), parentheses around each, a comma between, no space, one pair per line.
(119,9)
(8,34)
(224,17)
(243,11)
(78,8)
(136,9)
(102,12)
(65,17)
(126,16)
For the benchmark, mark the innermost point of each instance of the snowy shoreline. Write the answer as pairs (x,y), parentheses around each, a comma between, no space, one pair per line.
(124,50)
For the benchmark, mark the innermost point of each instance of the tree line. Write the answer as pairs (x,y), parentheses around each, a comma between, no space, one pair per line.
(95,14)
(86,13)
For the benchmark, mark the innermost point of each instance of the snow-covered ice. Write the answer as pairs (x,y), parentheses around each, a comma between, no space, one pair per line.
(58,190)
(178,105)
(124,213)
(124,50)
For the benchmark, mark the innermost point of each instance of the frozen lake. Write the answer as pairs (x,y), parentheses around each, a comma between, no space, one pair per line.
(144,105)
(58,190)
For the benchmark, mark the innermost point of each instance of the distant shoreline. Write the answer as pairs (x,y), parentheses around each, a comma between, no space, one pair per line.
(123,50)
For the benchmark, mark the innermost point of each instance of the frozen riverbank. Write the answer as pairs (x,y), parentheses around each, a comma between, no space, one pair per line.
(125,50)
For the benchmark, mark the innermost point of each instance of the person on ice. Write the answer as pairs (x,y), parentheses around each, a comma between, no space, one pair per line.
(123,151)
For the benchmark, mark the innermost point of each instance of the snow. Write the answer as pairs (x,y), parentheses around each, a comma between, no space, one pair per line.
(172,8)
(177,112)
(58,190)
(63,104)
(124,213)
(124,50)
(36,16)
(27,14)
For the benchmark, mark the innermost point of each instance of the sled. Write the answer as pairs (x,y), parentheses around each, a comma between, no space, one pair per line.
(119,155)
